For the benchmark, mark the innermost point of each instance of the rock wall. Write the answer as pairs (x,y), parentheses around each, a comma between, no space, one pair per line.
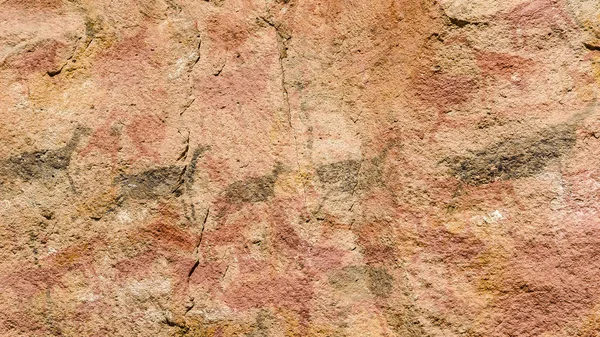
(299,168)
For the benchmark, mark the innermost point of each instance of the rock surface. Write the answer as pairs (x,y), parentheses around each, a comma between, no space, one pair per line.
(300,168)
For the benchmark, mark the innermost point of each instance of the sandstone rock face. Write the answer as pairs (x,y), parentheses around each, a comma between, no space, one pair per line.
(300,168)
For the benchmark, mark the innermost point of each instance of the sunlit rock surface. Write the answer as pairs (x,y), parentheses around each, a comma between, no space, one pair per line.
(300,168)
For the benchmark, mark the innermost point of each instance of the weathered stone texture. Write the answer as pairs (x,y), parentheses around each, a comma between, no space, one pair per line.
(300,168)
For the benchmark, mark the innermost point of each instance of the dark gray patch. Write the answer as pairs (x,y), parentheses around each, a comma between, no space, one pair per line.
(189,174)
(255,189)
(43,164)
(161,181)
(152,183)
(380,282)
(341,175)
(513,158)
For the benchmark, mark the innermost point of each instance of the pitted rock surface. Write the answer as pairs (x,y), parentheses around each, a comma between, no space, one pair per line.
(300,168)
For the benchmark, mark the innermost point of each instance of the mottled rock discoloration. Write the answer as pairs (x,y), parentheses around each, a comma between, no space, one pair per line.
(42,164)
(253,189)
(299,168)
(514,158)
(151,184)
(162,181)
(341,175)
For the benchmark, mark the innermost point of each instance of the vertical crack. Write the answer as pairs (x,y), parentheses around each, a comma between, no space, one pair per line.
(356,184)
(282,38)
(190,67)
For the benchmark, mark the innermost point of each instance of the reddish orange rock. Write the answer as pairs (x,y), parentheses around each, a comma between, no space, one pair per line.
(299,168)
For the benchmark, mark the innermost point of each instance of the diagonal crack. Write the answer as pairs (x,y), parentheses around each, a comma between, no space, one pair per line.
(193,269)
(197,249)
(185,151)
(195,61)
(187,105)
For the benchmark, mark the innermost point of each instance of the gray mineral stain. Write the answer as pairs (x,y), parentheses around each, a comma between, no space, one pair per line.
(42,164)
(161,181)
(254,189)
(353,175)
(152,183)
(342,175)
(191,170)
(380,282)
(513,158)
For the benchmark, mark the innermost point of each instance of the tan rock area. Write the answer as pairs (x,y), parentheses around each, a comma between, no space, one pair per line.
(333,168)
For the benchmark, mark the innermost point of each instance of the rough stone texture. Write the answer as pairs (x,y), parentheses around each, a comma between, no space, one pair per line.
(300,168)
